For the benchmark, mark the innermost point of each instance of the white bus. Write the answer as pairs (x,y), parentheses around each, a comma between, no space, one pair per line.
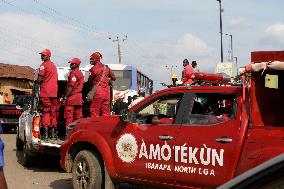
(128,81)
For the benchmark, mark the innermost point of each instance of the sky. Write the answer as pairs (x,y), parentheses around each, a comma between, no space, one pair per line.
(160,33)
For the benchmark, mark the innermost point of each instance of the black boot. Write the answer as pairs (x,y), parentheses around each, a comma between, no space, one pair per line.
(54,133)
(50,133)
(44,135)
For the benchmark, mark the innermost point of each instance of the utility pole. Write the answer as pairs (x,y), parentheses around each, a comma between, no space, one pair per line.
(231,47)
(221,30)
(118,46)
(171,68)
(236,58)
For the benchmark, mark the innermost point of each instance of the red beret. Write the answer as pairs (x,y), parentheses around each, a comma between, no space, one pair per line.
(75,61)
(96,56)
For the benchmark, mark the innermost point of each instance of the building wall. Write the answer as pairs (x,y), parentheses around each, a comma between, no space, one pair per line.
(13,83)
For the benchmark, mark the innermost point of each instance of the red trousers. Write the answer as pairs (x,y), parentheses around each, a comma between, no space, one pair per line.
(100,107)
(48,106)
(72,113)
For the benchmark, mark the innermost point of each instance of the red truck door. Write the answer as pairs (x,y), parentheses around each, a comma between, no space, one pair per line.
(144,148)
(206,140)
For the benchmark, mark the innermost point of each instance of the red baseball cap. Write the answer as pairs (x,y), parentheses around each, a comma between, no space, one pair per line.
(46,52)
(96,56)
(75,61)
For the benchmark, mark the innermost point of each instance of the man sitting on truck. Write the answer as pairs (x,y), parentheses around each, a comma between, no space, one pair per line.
(73,95)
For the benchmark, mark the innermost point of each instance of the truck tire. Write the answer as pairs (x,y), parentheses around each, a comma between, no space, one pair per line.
(26,158)
(87,171)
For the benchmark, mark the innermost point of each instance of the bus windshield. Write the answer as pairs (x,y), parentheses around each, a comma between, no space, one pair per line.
(123,80)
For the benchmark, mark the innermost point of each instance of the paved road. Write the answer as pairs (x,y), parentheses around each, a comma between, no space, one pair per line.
(46,174)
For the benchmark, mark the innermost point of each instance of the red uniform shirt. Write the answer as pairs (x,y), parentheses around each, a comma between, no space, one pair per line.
(186,75)
(76,80)
(48,87)
(103,89)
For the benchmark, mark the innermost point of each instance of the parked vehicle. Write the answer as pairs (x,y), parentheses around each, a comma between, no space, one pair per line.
(268,175)
(28,139)
(182,137)
(10,113)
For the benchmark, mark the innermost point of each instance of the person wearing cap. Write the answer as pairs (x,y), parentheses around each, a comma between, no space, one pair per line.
(174,81)
(186,73)
(99,78)
(47,80)
(72,98)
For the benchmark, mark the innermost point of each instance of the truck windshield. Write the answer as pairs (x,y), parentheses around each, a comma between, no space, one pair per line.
(123,80)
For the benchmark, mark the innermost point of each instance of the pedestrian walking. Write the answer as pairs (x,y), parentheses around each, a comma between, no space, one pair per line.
(47,80)
(186,73)
(99,94)
(72,98)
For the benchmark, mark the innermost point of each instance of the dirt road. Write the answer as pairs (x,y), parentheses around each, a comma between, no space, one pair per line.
(46,174)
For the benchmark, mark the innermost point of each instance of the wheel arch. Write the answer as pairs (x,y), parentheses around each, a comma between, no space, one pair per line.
(96,144)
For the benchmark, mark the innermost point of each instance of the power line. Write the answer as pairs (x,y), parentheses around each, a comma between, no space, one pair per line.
(88,27)
(72,21)
(67,24)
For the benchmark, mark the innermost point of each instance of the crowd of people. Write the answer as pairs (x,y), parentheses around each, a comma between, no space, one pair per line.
(98,95)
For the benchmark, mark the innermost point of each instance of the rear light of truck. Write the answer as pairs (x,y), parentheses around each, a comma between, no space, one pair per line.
(36,124)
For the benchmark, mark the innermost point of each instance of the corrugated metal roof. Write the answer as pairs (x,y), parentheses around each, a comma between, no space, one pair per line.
(16,71)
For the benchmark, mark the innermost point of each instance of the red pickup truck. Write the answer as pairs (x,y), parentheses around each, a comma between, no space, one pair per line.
(183,137)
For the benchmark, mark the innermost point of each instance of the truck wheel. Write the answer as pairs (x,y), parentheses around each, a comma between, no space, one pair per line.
(19,144)
(87,171)
(26,158)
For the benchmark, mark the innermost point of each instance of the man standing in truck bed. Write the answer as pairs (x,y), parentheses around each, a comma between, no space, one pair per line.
(47,79)
(186,73)
(73,96)
(99,78)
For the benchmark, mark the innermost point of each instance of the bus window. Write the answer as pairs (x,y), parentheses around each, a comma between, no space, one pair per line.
(123,80)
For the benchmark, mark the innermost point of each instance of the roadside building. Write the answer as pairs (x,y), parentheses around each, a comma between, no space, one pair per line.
(15,79)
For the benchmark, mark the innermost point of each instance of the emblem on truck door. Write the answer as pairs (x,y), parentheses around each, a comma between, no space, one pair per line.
(127,148)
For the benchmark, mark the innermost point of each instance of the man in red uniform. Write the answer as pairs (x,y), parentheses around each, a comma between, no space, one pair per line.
(73,96)
(186,73)
(100,105)
(47,79)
